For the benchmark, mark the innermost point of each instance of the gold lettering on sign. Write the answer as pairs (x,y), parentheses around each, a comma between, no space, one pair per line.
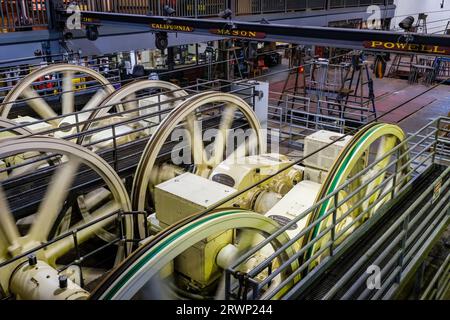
(238,33)
(170,27)
(410,47)
(436,50)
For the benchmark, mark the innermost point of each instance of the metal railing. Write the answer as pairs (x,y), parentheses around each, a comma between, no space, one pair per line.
(22,15)
(357,3)
(251,7)
(414,232)
(439,286)
(426,148)
(25,15)
(183,8)
(206,8)
(297,117)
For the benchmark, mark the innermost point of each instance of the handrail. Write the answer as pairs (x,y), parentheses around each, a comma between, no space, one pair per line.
(432,127)
(402,220)
(425,147)
(439,285)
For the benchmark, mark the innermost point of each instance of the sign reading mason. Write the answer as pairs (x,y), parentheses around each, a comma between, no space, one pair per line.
(238,33)
(171,27)
(411,47)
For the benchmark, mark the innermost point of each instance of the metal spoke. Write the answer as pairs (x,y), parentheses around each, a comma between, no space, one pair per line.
(247,239)
(39,105)
(26,168)
(54,199)
(222,136)
(8,229)
(86,203)
(60,248)
(90,201)
(68,102)
(247,145)
(3,247)
(95,100)
(197,148)
(387,143)
(131,104)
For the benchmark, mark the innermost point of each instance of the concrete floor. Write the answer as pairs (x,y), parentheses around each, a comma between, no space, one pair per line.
(419,104)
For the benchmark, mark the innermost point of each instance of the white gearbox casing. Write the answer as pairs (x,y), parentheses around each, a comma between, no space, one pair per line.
(181,197)
(248,170)
(185,195)
(324,159)
(315,175)
(301,197)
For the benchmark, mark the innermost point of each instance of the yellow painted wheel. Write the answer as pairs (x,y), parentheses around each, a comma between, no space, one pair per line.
(370,145)
(134,277)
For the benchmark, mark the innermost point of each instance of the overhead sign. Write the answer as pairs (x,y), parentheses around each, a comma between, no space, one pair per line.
(171,27)
(408,47)
(238,33)
(90,20)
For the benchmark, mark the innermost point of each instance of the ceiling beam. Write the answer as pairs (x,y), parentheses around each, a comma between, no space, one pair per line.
(360,39)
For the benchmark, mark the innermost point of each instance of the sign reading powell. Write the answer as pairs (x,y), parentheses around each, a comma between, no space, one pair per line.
(409,47)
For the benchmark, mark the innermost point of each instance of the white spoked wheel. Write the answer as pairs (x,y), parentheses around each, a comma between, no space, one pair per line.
(371,190)
(192,117)
(11,129)
(67,82)
(25,225)
(138,98)
(141,275)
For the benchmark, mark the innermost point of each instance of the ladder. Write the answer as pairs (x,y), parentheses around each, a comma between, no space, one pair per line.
(230,55)
(297,71)
(421,26)
(401,69)
(358,71)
